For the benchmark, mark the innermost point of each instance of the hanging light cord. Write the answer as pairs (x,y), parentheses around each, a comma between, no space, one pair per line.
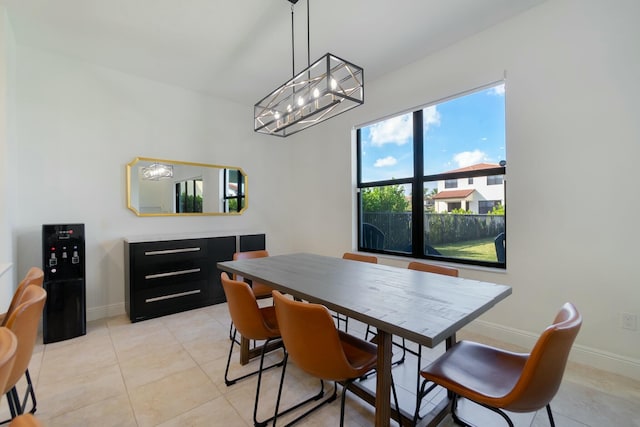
(308,38)
(293,47)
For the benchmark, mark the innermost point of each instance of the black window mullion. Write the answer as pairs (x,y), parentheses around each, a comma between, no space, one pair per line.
(417,199)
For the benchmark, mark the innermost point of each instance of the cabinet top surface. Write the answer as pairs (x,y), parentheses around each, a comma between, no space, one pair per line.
(182,236)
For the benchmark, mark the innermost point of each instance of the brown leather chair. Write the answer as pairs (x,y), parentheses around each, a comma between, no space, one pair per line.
(26,420)
(23,322)
(436,269)
(501,380)
(314,344)
(254,323)
(359,257)
(35,276)
(353,257)
(259,290)
(8,348)
(431,268)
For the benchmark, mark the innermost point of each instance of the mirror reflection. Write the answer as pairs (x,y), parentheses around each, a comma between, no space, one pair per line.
(157,187)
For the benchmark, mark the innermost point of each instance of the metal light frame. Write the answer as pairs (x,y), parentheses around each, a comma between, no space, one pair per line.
(326,88)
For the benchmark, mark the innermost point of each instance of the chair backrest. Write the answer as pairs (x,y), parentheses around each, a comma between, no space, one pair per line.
(358,257)
(500,244)
(244,310)
(543,371)
(372,237)
(431,268)
(35,276)
(248,255)
(23,322)
(311,339)
(8,347)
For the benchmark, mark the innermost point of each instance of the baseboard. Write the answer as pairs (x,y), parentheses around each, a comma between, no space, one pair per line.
(584,355)
(105,311)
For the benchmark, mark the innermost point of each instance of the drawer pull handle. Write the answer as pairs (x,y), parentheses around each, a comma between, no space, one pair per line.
(178,295)
(172,251)
(172,273)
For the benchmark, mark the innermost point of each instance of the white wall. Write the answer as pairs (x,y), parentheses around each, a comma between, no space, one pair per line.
(573,146)
(7,76)
(80,124)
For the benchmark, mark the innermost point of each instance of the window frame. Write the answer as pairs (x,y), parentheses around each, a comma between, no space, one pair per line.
(417,182)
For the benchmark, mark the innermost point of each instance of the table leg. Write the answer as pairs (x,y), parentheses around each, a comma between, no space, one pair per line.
(244,350)
(383,380)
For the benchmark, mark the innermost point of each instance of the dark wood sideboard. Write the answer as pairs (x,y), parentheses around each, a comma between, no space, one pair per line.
(170,275)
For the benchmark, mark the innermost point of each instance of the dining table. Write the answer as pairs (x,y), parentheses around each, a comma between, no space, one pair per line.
(424,308)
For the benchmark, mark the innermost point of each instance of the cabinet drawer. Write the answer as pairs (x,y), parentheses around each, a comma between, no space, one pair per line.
(162,300)
(157,275)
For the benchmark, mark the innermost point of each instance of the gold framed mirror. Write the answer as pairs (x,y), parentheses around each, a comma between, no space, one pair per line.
(159,187)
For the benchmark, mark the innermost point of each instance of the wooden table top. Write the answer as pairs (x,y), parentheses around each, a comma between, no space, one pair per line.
(422,307)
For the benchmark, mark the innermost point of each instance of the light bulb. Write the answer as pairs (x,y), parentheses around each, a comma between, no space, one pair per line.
(316,93)
(334,84)
(277,115)
(289,109)
(300,101)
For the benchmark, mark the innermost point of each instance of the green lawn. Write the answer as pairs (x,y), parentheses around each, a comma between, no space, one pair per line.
(483,249)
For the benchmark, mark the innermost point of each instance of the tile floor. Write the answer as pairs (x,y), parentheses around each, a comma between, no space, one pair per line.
(169,372)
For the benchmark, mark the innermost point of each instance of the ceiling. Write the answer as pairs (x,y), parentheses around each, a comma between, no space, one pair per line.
(241,49)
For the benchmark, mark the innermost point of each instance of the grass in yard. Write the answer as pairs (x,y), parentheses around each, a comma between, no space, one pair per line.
(483,249)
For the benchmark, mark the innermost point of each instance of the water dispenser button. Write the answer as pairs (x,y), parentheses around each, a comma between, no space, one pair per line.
(53,261)
(75,259)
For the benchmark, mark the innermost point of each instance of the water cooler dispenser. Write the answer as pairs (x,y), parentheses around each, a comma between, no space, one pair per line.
(63,263)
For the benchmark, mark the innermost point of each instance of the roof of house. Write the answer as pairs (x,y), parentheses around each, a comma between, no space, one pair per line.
(454,194)
(479,166)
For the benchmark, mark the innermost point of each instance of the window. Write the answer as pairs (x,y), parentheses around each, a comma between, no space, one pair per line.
(189,196)
(494,180)
(417,192)
(233,196)
(486,206)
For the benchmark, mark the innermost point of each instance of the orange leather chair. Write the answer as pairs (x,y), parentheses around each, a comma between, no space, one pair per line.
(314,344)
(436,269)
(501,380)
(431,268)
(35,276)
(353,257)
(259,290)
(253,322)
(359,257)
(8,348)
(23,322)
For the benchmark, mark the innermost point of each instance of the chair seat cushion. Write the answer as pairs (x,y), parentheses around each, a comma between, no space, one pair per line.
(488,373)
(362,355)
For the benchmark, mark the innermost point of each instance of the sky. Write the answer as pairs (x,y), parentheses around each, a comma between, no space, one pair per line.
(460,132)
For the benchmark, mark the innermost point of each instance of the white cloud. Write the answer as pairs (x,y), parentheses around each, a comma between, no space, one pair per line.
(468,158)
(387,161)
(431,116)
(396,130)
(497,90)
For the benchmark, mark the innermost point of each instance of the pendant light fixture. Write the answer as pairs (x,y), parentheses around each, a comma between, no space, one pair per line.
(326,88)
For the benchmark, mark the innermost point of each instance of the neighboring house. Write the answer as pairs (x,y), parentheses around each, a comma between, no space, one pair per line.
(478,195)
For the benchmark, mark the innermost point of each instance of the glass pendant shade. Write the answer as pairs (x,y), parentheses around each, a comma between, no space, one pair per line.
(157,171)
(328,87)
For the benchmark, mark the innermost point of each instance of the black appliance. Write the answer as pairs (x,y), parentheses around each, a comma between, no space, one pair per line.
(63,262)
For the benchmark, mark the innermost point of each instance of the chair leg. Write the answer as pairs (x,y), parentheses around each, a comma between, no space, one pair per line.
(230,381)
(13,401)
(553,424)
(30,392)
(459,421)
(318,396)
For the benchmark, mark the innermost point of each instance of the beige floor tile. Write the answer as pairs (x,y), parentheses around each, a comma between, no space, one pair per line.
(111,412)
(215,412)
(155,365)
(171,396)
(79,391)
